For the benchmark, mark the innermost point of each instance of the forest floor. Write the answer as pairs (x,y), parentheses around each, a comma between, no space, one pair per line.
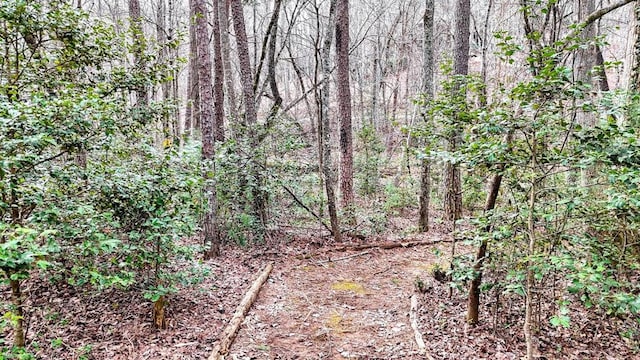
(318,303)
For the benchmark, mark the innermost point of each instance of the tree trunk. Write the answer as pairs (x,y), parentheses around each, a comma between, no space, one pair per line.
(473,302)
(218,79)
(634,81)
(453,192)
(344,105)
(223,15)
(16,299)
(271,63)
(427,91)
(325,126)
(210,226)
(192,112)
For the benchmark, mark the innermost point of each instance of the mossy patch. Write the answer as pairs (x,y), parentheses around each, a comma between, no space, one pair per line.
(339,324)
(346,285)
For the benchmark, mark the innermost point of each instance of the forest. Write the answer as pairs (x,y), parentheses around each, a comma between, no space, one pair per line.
(319,179)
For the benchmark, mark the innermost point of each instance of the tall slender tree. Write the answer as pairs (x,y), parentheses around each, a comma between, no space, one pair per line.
(205,84)
(427,91)
(324,123)
(344,103)
(453,191)
(218,79)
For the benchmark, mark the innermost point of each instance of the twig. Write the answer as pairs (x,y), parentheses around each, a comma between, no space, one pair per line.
(229,333)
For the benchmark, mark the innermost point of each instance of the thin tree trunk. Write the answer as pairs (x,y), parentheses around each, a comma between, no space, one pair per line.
(634,81)
(271,63)
(528,317)
(210,226)
(192,112)
(223,9)
(344,105)
(16,299)
(218,79)
(473,302)
(325,124)
(453,192)
(427,90)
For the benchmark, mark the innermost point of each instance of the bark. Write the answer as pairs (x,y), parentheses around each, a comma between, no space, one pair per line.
(223,14)
(229,333)
(634,81)
(192,112)
(344,104)
(218,79)
(210,226)
(427,91)
(453,191)
(271,63)
(16,299)
(325,127)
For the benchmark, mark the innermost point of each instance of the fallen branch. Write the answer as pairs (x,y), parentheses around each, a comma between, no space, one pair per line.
(422,348)
(302,205)
(344,257)
(383,246)
(229,333)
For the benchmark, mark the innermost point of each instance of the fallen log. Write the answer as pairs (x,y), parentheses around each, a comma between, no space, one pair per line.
(229,333)
(383,246)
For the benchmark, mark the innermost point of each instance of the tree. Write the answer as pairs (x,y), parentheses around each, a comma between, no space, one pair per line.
(344,104)
(324,123)
(205,84)
(218,80)
(453,187)
(427,91)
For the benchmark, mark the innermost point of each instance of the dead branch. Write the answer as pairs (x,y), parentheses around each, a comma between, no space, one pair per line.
(422,348)
(383,246)
(229,333)
(344,257)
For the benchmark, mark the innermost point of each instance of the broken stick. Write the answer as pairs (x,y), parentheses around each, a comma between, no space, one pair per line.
(229,333)
(413,316)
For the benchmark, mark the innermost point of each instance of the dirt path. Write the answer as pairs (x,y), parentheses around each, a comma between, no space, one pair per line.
(355,308)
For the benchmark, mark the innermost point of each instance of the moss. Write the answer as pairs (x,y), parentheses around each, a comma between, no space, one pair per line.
(348,286)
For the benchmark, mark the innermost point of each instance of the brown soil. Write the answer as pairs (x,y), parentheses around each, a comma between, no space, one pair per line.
(333,305)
